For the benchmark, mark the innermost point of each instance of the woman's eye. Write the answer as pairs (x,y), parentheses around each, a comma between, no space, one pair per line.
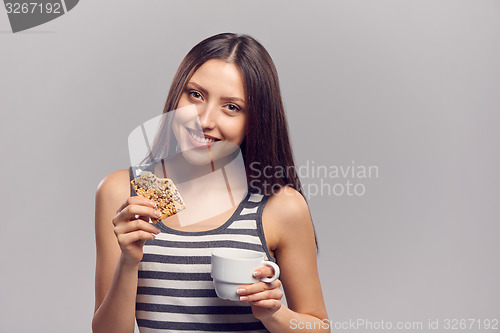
(194,94)
(232,108)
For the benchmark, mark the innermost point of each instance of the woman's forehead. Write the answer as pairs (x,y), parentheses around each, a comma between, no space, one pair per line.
(218,76)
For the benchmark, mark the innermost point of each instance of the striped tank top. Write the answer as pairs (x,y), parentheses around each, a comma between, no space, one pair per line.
(175,291)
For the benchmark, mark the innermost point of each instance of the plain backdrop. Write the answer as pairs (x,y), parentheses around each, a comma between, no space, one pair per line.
(411,87)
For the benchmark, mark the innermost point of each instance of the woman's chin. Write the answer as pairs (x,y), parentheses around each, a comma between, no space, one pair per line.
(197,156)
(200,156)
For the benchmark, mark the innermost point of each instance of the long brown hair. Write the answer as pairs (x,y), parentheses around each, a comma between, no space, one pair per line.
(266,145)
(266,142)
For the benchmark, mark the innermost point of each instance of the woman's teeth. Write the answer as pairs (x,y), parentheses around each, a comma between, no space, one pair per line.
(200,139)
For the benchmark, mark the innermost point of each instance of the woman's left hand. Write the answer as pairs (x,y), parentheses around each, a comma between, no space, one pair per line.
(265,298)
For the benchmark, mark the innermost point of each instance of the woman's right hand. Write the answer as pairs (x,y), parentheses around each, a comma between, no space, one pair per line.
(132,228)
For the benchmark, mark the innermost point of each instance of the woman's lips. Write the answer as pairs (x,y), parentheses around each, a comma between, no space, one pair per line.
(199,139)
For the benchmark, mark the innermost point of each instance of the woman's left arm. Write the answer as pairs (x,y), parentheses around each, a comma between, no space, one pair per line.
(289,231)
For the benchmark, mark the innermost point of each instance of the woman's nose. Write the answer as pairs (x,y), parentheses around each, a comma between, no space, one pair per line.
(206,114)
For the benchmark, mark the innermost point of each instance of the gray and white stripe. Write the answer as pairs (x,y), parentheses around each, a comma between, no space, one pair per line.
(175,291)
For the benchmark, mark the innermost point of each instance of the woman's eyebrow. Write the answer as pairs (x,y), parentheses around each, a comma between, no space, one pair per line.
(197,86)
(233,99)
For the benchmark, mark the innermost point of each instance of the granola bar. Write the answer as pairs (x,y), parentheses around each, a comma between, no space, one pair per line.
(160,190)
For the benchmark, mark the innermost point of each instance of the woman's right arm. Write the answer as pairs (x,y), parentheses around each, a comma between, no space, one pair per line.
(120,237)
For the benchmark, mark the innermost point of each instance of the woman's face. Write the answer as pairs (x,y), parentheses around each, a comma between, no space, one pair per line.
(217,127)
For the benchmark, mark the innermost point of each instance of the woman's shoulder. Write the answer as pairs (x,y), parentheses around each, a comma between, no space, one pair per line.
(287,202)
(286,211)
(114,186)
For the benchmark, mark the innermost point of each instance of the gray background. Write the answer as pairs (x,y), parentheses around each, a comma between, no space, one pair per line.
(409,86)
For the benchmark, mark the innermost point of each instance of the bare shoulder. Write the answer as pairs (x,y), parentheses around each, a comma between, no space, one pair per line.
(287,204)
(112,191)
(114,186)
(286,213)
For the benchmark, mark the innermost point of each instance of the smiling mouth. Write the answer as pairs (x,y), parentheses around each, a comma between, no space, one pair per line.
(201,137)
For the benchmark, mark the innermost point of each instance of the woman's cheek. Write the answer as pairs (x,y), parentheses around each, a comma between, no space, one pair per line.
(234,130)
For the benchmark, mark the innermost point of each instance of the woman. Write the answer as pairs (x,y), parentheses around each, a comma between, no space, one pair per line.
(232,82)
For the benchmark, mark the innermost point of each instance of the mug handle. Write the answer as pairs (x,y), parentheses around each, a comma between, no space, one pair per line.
(276,271)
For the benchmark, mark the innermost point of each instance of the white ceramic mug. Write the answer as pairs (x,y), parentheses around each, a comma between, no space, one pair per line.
(232,268)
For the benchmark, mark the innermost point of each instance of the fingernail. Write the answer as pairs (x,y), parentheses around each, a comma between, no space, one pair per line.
(256,273)
(240,290)
(243,298)
(158,231)
(152,203)
(157,213)
(153,235)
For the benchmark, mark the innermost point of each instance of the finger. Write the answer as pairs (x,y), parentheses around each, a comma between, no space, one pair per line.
(269,304)
(132,237)
(264,271)
(131,212)
(274,294)
(258,287)
(136,200)
(134,225)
